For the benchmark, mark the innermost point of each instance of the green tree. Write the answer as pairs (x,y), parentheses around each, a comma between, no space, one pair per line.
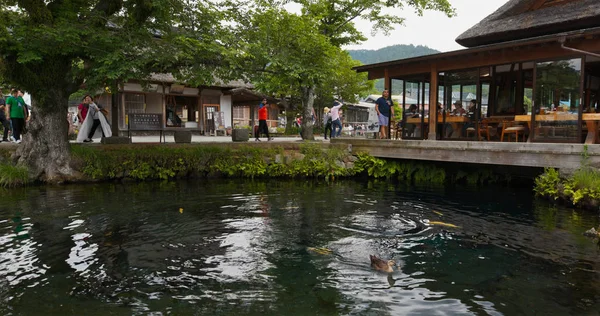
(342,82)
(53,48)
(285,55)
(307,44)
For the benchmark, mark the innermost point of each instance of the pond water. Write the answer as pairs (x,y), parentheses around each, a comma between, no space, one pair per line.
(250,248)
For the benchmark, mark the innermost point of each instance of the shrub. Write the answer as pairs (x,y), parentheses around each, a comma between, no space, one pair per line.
(13,176)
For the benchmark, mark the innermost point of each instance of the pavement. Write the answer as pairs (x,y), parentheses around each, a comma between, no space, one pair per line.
(210,139)
(198,139)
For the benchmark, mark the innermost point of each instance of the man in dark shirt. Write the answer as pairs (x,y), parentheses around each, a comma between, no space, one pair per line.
(3,119)
(384,107)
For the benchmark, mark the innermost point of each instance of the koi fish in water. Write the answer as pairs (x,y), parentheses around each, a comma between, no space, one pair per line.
(443,224)
(321,251)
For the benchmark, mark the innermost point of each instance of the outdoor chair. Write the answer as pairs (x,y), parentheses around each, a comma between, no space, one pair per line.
(509,127)
(482,129)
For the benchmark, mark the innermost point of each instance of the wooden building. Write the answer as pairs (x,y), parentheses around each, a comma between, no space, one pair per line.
(533,67)
(203,109)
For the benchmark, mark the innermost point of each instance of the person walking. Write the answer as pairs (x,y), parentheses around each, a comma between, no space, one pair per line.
(385,109)
(16,114)
(263,113)
(335,119)
(91,117)
(327,121)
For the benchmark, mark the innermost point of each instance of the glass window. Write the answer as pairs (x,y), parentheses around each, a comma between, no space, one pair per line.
(396,95)
(485,97)
(506,89)
(241,115)
(134,103)
(415,109)
(557,100)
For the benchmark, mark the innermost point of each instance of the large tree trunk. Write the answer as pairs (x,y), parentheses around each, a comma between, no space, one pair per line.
(308,99)
(45,148)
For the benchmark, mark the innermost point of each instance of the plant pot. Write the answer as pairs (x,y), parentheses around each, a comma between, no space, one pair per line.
(240,135)
(183,136)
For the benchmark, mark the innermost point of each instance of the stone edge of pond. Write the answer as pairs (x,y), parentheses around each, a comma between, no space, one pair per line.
(150,161)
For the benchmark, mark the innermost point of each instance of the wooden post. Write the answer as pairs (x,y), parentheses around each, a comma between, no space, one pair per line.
(387,85)
(433,101)
(114,107)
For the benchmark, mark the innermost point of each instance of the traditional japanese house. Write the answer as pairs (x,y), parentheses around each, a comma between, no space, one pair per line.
(204,109)
(245,109)
(532,69)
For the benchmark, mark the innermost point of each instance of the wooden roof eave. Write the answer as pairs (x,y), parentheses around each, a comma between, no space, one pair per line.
(377,70)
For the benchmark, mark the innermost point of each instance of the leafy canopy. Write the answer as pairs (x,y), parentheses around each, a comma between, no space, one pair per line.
(51,47)
(336,17)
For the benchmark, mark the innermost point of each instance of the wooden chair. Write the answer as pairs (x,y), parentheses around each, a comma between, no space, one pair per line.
(483,129)
(397,131)
(509,127)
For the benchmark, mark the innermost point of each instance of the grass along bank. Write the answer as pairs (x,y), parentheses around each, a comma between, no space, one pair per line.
(146,162)
(580,188)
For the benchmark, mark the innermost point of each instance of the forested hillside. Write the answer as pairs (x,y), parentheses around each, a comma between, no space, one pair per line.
(389,53)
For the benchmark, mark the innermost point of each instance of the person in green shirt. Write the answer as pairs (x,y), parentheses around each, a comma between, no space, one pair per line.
(16,114)
(20,95)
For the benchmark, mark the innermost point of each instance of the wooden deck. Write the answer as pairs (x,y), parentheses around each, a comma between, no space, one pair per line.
(489,153)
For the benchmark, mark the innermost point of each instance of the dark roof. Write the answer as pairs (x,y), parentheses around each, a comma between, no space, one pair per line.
(169,78)
(519,19)
(480,49)
(247,95)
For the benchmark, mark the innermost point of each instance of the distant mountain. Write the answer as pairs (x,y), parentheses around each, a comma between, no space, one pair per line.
(389,53)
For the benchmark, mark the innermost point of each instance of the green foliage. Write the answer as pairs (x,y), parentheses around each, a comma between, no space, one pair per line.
(13,176)
(583,185)
(50,48)
(163,163)
(546,185)
(300,56)
(422,172)
(581,188)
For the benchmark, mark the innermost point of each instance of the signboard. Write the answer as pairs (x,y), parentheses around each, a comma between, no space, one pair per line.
(219,118)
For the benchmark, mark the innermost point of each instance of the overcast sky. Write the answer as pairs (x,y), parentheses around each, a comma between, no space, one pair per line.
(433,29)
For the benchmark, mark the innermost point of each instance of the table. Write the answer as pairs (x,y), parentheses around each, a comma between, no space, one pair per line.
(455,121)
(591,120)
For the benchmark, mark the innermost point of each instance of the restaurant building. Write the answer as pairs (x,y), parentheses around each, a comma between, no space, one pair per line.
(532,69)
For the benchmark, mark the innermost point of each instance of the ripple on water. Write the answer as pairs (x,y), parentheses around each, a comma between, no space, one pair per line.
(191,248)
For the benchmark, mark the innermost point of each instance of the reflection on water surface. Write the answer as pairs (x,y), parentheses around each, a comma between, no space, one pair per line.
(249,248)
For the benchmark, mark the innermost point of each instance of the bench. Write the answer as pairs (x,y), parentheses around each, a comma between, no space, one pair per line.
(146,122)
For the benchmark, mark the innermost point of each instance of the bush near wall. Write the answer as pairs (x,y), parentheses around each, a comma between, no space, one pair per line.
(162,162)
(310,161)
(581,188)
(11,175)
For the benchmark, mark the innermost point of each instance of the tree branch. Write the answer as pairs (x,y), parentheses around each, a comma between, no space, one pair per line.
(107,8)
(37,11)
